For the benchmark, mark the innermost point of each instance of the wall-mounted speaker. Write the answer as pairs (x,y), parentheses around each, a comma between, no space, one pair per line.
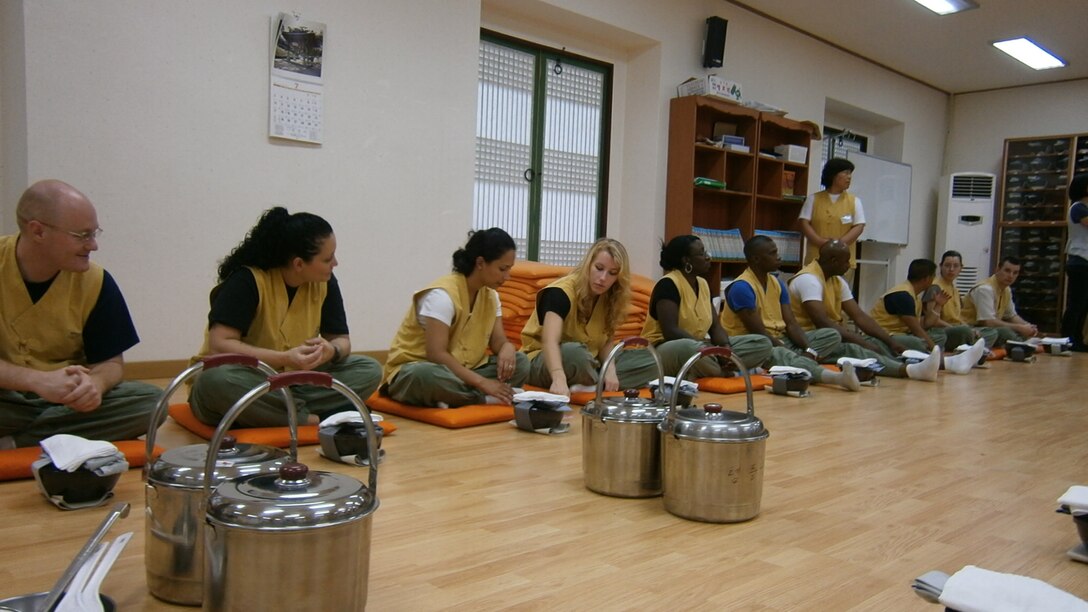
(714,43)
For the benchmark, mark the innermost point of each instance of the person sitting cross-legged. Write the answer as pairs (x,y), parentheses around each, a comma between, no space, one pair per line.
(989,304)
(758,303)
(943,306)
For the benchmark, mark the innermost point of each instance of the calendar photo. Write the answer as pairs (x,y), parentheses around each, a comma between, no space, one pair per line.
(296,85)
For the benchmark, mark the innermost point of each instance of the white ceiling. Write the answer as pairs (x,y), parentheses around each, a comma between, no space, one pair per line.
(953,53)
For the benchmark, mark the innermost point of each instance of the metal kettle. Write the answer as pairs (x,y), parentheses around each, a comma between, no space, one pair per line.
(621,450)
(296,540)
(712,459)
(174,519)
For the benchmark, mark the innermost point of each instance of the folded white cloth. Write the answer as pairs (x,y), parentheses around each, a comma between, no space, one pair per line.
(68,452)
(913,354)
(973,589)
(689,387)
(540,396)
(1064,340)
(1076,498)
(859,363)
(347,416)
(780,369)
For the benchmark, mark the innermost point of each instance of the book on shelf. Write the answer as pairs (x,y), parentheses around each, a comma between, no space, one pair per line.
(738,148)
(789,177)
(794,198)
(709,183)
(789,244)
(721,244)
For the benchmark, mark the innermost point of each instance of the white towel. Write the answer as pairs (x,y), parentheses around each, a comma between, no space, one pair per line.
(690,387)
(347,416)
(860,363)
(973,589)
(540,396)
(778,369)
(1076,498)
(913,354)
(68,452)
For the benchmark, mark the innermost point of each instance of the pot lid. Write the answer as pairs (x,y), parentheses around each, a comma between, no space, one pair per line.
(292,499)
(629,407)
(184,466)
(713,424)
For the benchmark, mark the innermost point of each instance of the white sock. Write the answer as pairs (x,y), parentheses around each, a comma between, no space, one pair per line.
(927,368)
(965,361)
(849,377)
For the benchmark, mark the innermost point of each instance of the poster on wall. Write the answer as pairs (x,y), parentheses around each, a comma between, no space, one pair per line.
(296,86)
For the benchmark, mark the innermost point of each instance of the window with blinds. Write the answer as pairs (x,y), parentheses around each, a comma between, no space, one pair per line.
(541,142)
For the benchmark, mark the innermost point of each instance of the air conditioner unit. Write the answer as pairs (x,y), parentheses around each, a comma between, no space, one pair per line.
(965,223)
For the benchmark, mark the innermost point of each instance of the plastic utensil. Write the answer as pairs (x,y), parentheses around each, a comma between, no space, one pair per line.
(71,600)
(89,595)
(119,510)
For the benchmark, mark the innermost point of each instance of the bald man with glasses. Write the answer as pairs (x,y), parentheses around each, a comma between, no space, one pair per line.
(64,327)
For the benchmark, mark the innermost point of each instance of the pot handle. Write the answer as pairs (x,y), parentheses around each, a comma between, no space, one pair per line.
(282,381)
(204,363)
(707,352)
(633,341)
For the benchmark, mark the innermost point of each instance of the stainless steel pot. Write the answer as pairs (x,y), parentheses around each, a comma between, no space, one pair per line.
(299,540)
(174,518)
(621,447)
(712,459)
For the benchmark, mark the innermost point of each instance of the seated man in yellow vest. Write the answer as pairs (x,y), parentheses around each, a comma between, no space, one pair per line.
(819,297)
(943,306)
(64,326)
(899,312)
(989,304)
(758,303)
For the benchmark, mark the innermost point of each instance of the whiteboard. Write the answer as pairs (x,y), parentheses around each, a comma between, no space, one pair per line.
(884,189)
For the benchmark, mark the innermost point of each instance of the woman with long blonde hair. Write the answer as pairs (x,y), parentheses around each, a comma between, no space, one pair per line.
(574,323)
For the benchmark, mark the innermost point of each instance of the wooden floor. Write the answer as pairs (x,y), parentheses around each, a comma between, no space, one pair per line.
(862,493)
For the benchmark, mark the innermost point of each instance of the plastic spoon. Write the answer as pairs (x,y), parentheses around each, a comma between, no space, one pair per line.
(89,596)
(119,510)
(70,602)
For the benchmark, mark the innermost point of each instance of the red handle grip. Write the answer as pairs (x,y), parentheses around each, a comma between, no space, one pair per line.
(214,361)
(300,377)
(636,341)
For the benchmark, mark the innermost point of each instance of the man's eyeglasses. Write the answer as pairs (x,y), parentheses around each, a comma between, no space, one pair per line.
(82,236)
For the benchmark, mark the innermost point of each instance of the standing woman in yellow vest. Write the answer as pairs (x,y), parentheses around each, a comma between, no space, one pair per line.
(834,213)
(573,326)
(277,300)
(681,319)
(439,355)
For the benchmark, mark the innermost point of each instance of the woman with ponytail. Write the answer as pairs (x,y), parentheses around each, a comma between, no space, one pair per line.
(439,355)
(277,300)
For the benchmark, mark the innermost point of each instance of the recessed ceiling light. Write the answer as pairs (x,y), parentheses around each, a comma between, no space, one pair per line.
(946,7)
(1028,52)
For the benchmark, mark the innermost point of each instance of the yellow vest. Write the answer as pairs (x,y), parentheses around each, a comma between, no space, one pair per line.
(46,335)
(827,221)
(280,325)
(832,297)
(891,323)
(591,333)
(696,312)
(768,303)
(951,311)
(1003,295)
(470,330)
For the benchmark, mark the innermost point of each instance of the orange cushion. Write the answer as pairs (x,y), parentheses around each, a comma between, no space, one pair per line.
(734,384)
(452,418)
(997,354)
(534,270)
(15,462)
(270,436)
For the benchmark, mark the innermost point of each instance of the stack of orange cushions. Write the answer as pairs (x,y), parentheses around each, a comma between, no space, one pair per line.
(518,297)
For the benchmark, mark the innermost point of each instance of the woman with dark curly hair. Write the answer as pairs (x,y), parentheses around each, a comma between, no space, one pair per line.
(573,326)
(439,355)
(277,300)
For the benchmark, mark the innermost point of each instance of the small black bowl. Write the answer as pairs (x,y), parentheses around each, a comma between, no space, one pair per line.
(1082,527)
(78,487)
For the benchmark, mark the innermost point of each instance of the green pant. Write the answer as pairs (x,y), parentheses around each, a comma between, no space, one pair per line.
(638,366)
(125,414)
(892,366)
(425,383)
(824,340)
(782,356)
(583,368)
(948,338)
(217,389)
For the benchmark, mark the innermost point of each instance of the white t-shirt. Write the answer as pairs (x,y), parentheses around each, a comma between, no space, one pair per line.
(859,212)
(808,288)
(986,304)
(438,305)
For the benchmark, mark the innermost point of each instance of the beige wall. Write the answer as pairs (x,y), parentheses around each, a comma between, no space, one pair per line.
(158,111)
